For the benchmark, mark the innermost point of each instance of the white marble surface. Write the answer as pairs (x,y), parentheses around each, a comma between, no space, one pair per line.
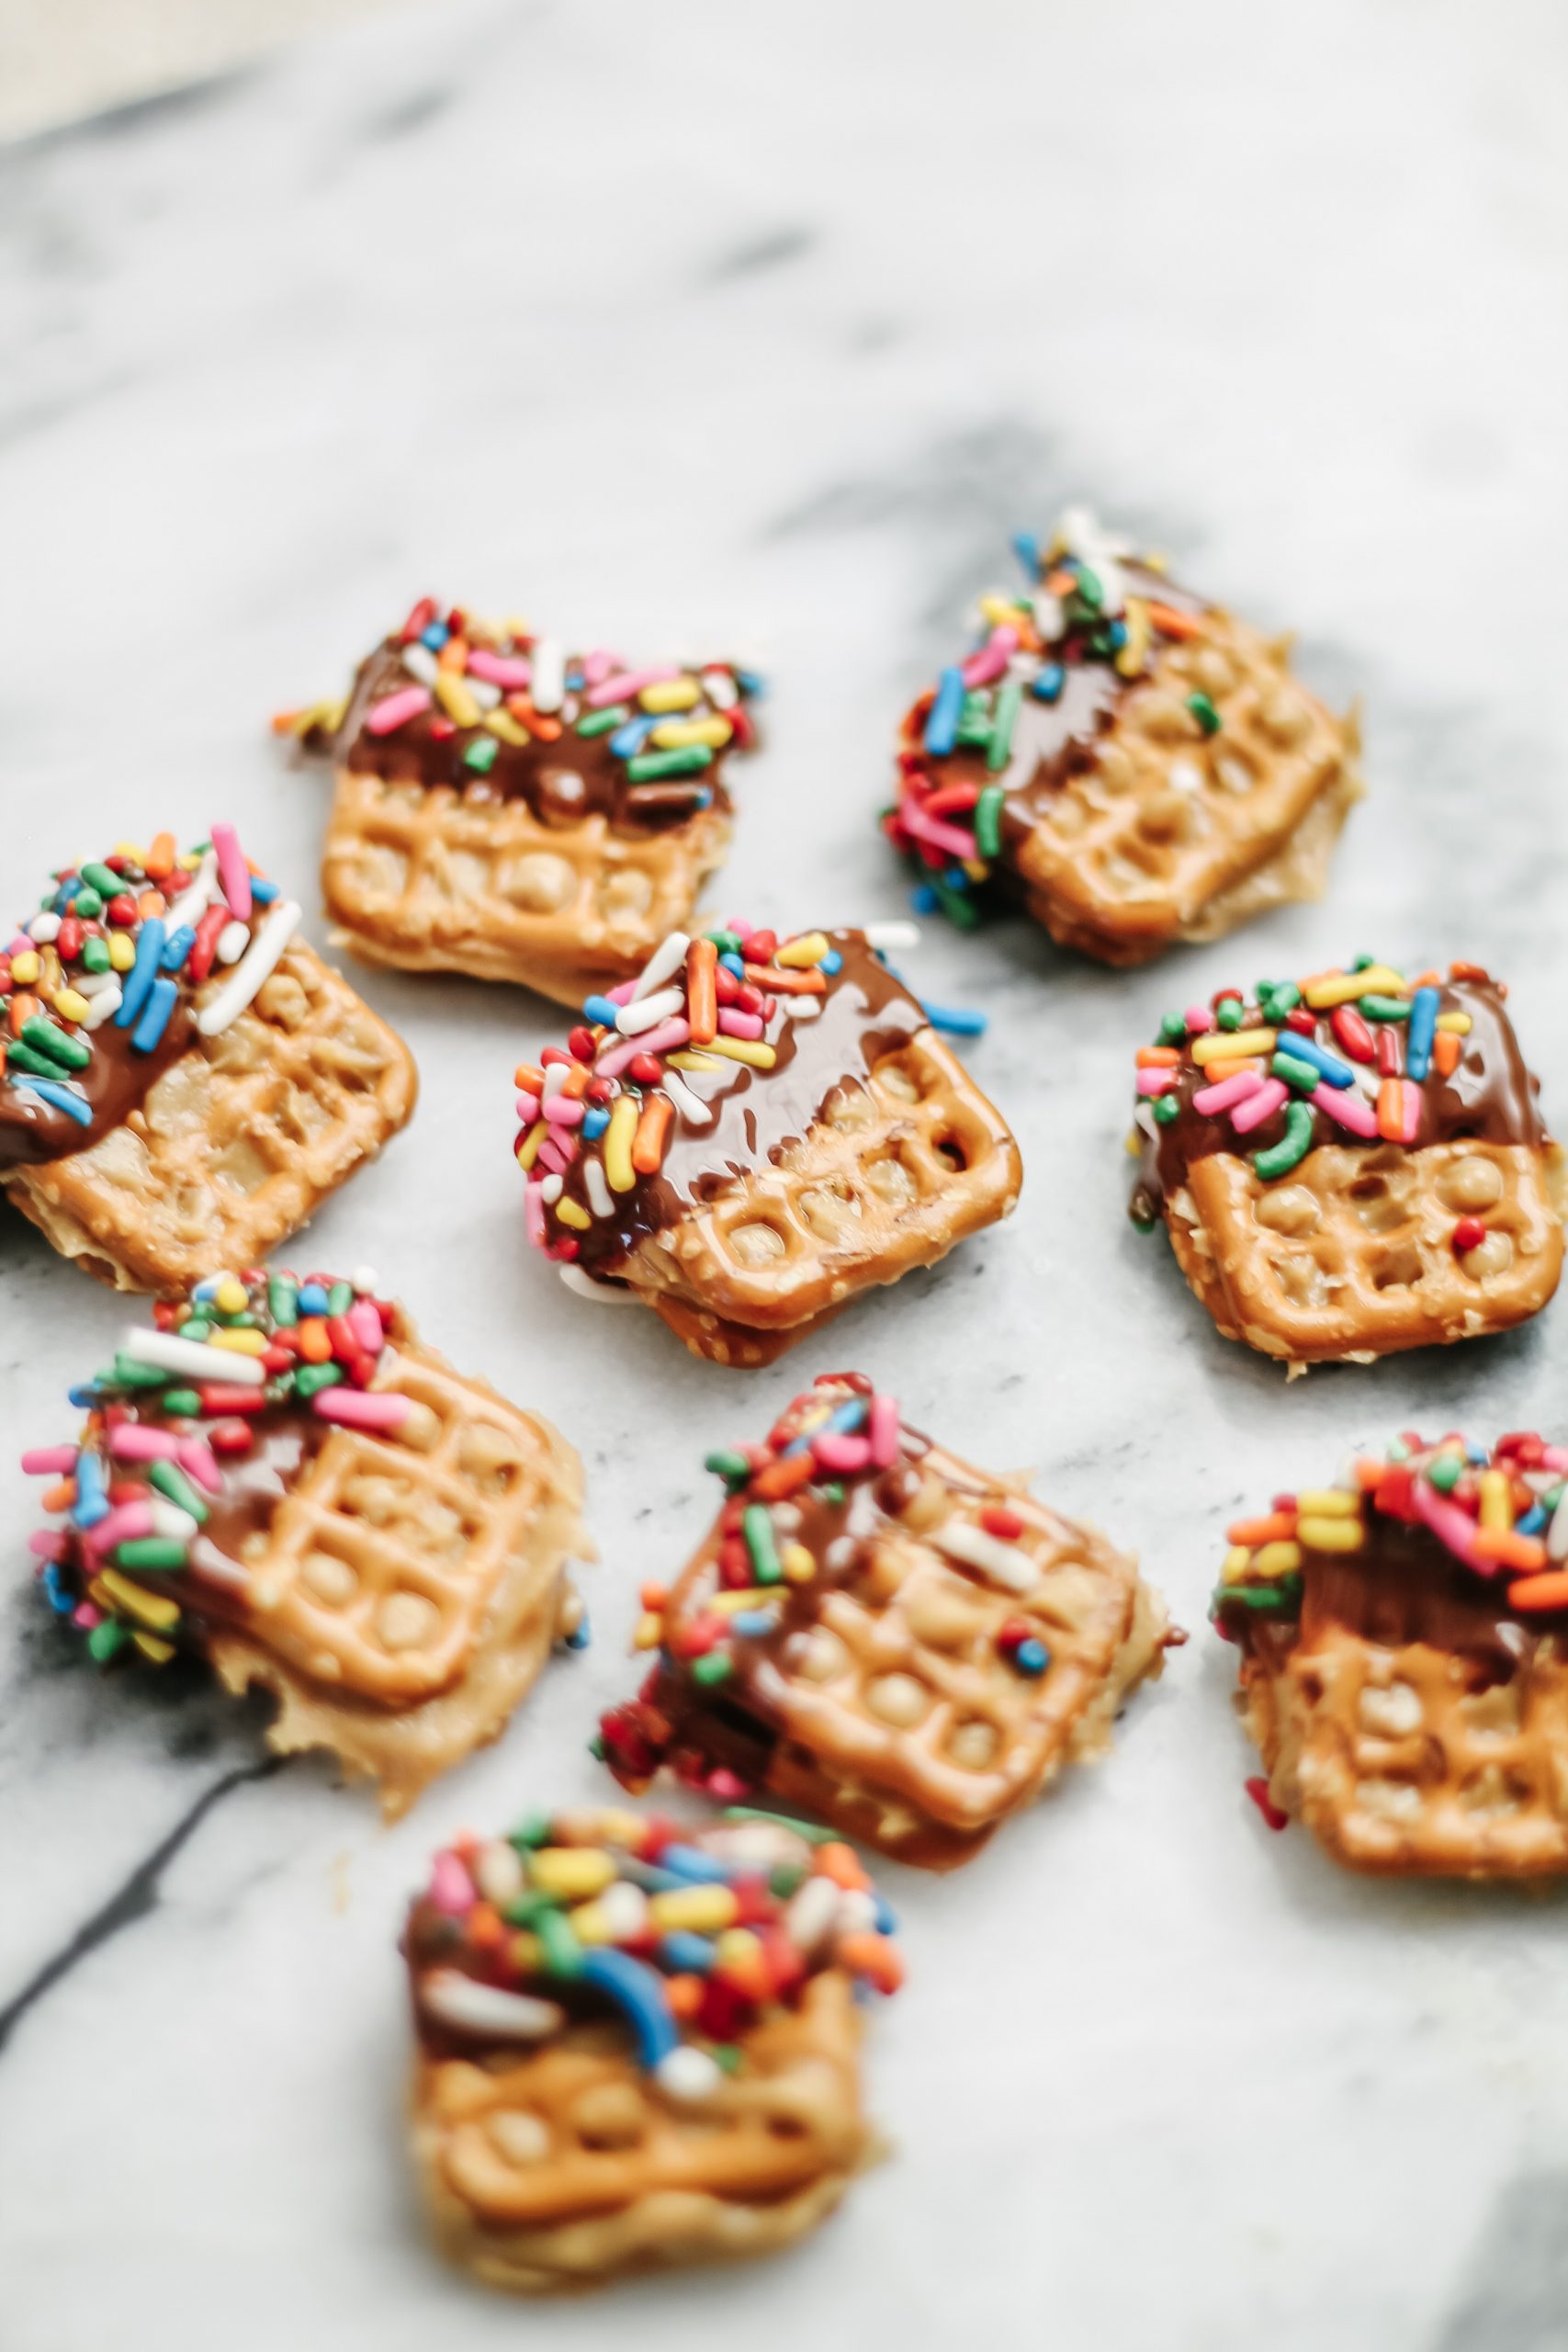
(679,326)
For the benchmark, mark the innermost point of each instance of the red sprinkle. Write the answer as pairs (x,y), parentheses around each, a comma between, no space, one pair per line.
(1259,1791)
(581,1044)
(1469,1234)
(644,1070)
(1302,1021)
(998,1521)
(1350,1028)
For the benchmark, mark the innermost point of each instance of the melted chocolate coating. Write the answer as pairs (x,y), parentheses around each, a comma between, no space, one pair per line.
(1490,1095)
(117,1080)
(865,1014)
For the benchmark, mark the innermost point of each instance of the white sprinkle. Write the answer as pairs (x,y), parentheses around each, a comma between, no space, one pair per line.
(601,1293)
(1557,1533)
(194,1358)
(498,1872)
(667,958)
(1049,618)
(855,1912)
(804,1007)
(366,1280)
(551,1188)
(249,974)
(720,689)
(103,1002)
(486,694)
(556,1077)
(688,2075)
(92,984)
(169,1519)
(647,1012)
(199,895)
(233,942)
(1001,1563)
(420,663)
(626,1911)
(691,1107)
(889,937)
(454,1999)
(601,1200)
(43,928)
(813,1910)
(546,689)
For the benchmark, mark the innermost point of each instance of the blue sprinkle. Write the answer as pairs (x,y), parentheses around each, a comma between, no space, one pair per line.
(209,1289)
(436,636)
(148,1034)
(886,1917)
(692,1867)
(956,1021)
(1306,1049)
(923,900)
(62,1602)
(574,680)
(846,1419)
(1026,547)
(138,982)
(262,892)
(600,1008)
(60,1098)
(704,798)
(595,1122)
(750,682)
(86,1397)
(1031,1658)
(754,1624)
(1047,682)
(1420,1036)
(734,964)
(1477,1454)
(648,1875)
(92,1501)
(176,948)
(627,741)
(833,962)
(1118,634)
(313,1298)
(1533,1521)
(685,1954)
(942,724)
(580,1635)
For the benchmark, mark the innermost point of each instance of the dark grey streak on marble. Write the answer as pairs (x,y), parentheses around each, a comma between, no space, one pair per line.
(1515,2298)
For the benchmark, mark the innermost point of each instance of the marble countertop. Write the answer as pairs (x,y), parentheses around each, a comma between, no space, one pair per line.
(702,327)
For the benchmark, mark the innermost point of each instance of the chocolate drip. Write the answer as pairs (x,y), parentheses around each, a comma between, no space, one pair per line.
(114,1083)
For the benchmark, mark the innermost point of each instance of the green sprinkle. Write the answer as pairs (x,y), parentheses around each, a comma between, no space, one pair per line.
(1282,994)
(956,905)
(785,1877)
(102,878)
(534,1829)
(1272,1599)
(727,2057)
(600,722)
(1362,963)
(311,1378)
(340,1298)
(559,1946)
(1396,1450)
(29,1060)
(200,1326)
(733,1468)
(531,1905)
(813,1835)
(1291,1149)
(1300,1075)
(728,943)
(757,1526)
(989,821)
(184,1403)
(1229,1013)
(1445,1471)
(1168,1107)
(482,755)
(976,707)
(173,1483)
(1203,711)
(87,904)
(649,767)
(973,734)
(1010,700)
(150,1551)
(107,1640)
(96,955)
(833,1493)
(1089,589)
(129,1373)
(278,1391)
(712,1668)
(1172,1028)
(283,1300)
(1385,1008)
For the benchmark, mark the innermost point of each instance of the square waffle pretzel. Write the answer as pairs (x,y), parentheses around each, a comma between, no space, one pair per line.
(1402,1758)
(1352,1254)
(408,1588)
(569,2165)
(237,1143)
(1171,833)
(419,878)
(891,1176)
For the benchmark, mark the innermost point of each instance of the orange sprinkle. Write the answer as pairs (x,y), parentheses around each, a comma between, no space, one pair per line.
(841,1864)
(486,1926)
(1061,583)
(653,1595)
(1369,1474)
(1508,1548)
(783,1477)
(1467,971)
(1278,1528)
(152,903)
(529,1079)
(652,1134)
(1226,1066)
(1390,1111)
(454,656)
(1158,1057)
(1548,1591)
(160,859)
(874,1957)
(60,1497)
(1446,1051)
(1427,980)
(285,722)
(23,1007)
(702,992)
(575,1084)
(684,1995)
(523,710)
(314,1344)
(808,982)
(1170,622)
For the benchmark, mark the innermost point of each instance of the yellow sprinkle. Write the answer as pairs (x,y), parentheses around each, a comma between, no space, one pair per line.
(1328,1502)
(231,1297)
(1343,987)
(1331,1534)
(797,1563)
(692,1061)
(570,1870)
(649,1632)
(1133,1143)
(1131,659)
(704,1910)
(151,1647)
(524,1950)
(513,627)
(808,949)
(528,1149)
(122,951)
(502,723)
(456,699)
(131,850)
(618,1136)
(1231,1044)
(1000,612)
(1457,1025)
(591,1924)
(1238,1561)
(569,1213)
(676,734)
(1277,1559)
(671,694)
(25,967)
(738,1947)
(1496,1500)
(976,868)
(740,1049)
(238,1343)
(148,1608)
(70,1004)
(725,1603)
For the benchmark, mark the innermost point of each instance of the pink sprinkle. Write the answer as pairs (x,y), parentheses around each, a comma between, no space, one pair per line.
(741,928)
(1258,1107)
(509,671)
(451,1888)
(534,1212)
(1210,1101)
(365,1322)
(947,838)
(882,1430)
(527,1109)
(992,658)
(1197,1018)
(739,1024)
(86,1616)
(361,1408)
(395,710)
(1346,1108)
(836,1451)
(232,871)
(1451,1525)
(621,995)
(1412,1123)
(562,1111)
(123,1526)
(1554,1457)
(557,1154)
(48,1544)
(1156,1081)
(132,1442)
(663,1040)
(50,1461)
(597,666)
(196,1457)
(725,1788)
(626,683)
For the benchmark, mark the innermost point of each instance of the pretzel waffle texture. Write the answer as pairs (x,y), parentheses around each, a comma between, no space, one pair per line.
(897,1168)
(236,1143)
(416,876)
(408,1588)
(1353,1257)
(571,2166)
(1173,833)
